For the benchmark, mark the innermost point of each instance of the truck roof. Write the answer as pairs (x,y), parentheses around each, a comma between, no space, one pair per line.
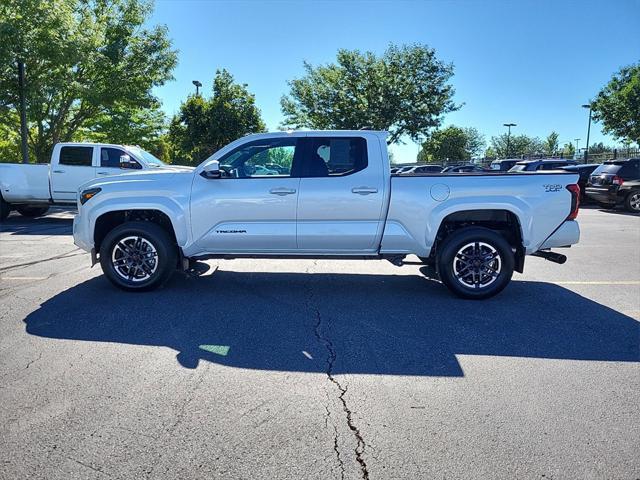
(304,133)
(90,144)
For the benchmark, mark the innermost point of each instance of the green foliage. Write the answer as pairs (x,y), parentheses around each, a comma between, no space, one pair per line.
(518,145)
(404,91)
(206,125)
(568,150)
(85,60)
(452,143)
(617,105)
(551,144)
(599,148)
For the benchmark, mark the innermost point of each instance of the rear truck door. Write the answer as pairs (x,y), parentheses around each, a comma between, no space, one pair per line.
(252,207)
(342,192)
(114,161)
(74,167)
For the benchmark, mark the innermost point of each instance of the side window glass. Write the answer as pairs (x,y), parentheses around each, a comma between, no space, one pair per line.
(262,158)
(110,158)
(336,156)
(76,156)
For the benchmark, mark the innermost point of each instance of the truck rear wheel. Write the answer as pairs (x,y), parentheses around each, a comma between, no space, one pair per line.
(138,256)
(475,263)
(5,209)
(32,211)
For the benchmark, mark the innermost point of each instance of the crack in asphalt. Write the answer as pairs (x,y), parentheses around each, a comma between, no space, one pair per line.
(330,361)
(43,260)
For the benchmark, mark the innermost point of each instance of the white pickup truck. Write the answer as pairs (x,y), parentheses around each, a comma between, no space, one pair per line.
(332,196)
(32,188)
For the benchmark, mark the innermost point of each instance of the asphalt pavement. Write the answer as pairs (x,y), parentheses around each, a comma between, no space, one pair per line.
(302,369)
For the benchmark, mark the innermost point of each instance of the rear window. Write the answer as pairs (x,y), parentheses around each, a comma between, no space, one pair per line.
(76,156)
(608,168)
(519,167)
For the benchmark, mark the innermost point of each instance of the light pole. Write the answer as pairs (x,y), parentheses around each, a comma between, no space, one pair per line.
(23,113)
(577,149)
(198,85)
(586,150)
(509,125)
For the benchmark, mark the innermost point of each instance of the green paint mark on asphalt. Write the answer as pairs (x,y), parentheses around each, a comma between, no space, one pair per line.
(217,349)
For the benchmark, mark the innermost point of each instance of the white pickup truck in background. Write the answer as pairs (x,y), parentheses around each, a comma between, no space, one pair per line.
(333,197)
(32,188)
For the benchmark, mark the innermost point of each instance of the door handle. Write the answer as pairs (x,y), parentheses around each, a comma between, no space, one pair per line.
(103,173)
(58,171)
(364,190)
(282,191)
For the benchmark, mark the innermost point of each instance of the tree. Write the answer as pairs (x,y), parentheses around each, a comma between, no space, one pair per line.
(568,150)
(518,145)
(84,59)
(599,148)
(617,105)
(206,125)
(551,143)
(452,143)
(475,142)
(404,91)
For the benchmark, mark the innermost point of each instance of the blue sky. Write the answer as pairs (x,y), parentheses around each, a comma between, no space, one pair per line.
(528,62)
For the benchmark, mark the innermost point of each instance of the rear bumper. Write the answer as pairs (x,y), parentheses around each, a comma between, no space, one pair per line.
(603,194)
(568,234)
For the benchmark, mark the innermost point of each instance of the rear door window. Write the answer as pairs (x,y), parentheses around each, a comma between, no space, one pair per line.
(76,156)
(608,168)
(335,156)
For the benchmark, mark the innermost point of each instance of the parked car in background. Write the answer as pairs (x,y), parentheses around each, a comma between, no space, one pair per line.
(504,164)
(616,182)
(464,169)
(31,188)
(542,164)
(424,169)
(585,170)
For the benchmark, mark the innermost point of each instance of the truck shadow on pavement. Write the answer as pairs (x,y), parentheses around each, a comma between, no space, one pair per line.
(17,225)
(375,324)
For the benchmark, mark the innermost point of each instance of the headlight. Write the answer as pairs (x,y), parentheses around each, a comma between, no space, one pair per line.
(88,194)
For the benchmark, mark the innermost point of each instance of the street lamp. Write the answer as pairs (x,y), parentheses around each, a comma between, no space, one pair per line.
(509,125)
(577,149)
(586,150)
(198,85)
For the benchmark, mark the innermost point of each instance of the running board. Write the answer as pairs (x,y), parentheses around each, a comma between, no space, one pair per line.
(551,256)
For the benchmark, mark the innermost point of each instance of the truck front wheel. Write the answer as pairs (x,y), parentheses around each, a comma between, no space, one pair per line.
(475,263)
(32,211)
(138,256)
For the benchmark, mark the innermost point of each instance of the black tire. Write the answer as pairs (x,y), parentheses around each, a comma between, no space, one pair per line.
(451,263)
(166,256)
(632,202)
(32,211)
(5,209)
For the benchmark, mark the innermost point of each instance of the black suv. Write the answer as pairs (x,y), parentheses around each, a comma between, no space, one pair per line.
(616,182)
(585,171)
(544,164)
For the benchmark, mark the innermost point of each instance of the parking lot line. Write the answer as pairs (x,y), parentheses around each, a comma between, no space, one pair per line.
(24,278)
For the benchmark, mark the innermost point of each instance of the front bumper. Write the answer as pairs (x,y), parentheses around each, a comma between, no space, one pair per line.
(568,234)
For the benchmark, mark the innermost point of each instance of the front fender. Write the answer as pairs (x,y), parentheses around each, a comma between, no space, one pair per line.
(171,207)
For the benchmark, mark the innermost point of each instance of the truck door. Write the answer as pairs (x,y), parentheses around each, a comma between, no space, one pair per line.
(252,207)
(74,167)
(342,194)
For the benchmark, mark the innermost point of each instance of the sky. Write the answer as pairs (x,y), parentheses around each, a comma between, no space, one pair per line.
(533,63)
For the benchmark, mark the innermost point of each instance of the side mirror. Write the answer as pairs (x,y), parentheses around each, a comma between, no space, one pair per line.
(212,170)
(126,162)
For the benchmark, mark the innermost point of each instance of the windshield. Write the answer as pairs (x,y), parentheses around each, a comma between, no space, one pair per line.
(152,160)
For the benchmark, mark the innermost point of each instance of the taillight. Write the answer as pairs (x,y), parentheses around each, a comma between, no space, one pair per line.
(616,180)
(575,200)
